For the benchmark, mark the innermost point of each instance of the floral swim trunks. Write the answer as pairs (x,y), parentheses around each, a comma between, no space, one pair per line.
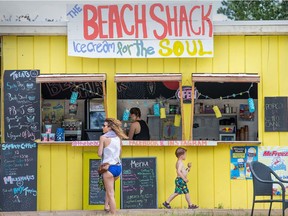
(181,186)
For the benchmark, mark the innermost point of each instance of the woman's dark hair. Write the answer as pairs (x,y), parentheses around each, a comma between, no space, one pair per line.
(136,111)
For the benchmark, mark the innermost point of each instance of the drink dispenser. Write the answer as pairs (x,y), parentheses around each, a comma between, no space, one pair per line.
(73,129)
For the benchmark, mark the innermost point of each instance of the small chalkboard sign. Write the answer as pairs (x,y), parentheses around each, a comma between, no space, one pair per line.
(18,174)
(276,114)
(138,183)
(96,195)
(21,106)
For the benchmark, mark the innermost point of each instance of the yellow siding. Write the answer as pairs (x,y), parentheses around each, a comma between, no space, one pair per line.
(60,166)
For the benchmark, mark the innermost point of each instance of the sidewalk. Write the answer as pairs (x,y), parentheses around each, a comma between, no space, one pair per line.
(144,212)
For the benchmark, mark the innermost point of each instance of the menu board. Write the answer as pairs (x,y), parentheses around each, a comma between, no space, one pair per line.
(18,174)
(276,114)
(21,106)
(96,195)
(138,183)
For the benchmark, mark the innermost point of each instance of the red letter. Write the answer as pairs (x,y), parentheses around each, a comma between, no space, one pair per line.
(101,22)
(191,20)
(141,21)
(183,18)
(114,19)
(170,20)
(160,21)
(208,20)
(131,32)
(90,22)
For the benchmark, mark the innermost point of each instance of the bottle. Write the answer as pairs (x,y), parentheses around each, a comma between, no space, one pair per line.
(246,133)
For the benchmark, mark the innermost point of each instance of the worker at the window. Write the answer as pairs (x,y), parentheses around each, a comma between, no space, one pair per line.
(139,129)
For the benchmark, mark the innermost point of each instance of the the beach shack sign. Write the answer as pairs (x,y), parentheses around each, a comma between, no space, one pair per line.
(140,30)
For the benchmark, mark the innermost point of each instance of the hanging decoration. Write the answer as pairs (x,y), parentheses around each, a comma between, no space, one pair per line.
(217,111)
(199,94)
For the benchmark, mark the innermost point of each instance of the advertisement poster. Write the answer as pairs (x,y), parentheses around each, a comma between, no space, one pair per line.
(53,111)
(241,157)
(277,159)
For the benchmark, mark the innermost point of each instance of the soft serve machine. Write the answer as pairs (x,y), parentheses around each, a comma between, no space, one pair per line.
(72,126)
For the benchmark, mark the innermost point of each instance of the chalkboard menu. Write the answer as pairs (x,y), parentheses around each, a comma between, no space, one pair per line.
(138,183)
(96,196)
(276,114)
(21,106)
(18,174)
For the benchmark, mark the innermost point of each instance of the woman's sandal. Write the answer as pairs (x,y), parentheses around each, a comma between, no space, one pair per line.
(167,205)
(193,206)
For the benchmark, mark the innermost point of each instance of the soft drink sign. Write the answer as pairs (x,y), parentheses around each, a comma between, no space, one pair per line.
(186,94)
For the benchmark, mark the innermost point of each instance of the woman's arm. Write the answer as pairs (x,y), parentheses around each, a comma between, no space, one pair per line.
(132,130)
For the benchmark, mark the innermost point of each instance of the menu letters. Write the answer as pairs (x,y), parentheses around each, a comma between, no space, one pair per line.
(18,177)
(96,196)
(21,106)
(138,183)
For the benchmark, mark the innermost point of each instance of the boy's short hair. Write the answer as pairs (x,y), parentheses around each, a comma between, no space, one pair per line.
(180,151)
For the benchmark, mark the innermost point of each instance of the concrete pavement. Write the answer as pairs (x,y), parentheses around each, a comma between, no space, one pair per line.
(144,212)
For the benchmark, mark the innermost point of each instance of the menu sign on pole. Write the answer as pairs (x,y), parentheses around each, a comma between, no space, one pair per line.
(21,106)
(18,177)
(138,183)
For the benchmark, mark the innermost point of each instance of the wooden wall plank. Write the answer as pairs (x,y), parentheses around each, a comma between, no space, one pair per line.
(206,177)
(44,178)
(283,71)
(123,65)
(221,54)
(74,167)
(9,57)
(270,80)
(236,54)
(253,54)
(222,176)
(59,177)
(58,54)
(25,55)
(42,54)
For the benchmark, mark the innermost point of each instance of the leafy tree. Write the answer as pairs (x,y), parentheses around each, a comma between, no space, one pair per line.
(254,9)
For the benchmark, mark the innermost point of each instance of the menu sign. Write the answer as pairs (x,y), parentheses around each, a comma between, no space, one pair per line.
(96,195)
(18,177)
(21,106)
(138,183)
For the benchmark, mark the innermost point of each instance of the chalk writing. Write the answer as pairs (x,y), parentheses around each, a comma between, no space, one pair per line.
(18,177)
(96,195)
(276,114)
(21,105)
(138,183)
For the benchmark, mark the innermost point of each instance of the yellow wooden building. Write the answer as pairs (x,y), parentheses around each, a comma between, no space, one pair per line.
(243,48)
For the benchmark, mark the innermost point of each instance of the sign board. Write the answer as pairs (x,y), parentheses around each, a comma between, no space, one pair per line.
(93,196)
(21,106)
(169,29)
(18,177)
(186,94)
(276,114)
(138,183)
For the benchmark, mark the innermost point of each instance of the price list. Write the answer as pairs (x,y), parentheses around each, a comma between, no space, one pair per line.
(138,183)
(18,172)
(21,106)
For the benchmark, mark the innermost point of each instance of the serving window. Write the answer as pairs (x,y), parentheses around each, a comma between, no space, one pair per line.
(156,97)
(72,105)
(225,107)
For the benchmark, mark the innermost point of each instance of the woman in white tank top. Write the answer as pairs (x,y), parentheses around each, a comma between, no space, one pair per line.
(110,150)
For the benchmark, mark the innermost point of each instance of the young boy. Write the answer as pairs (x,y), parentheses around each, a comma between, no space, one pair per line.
(181,180)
